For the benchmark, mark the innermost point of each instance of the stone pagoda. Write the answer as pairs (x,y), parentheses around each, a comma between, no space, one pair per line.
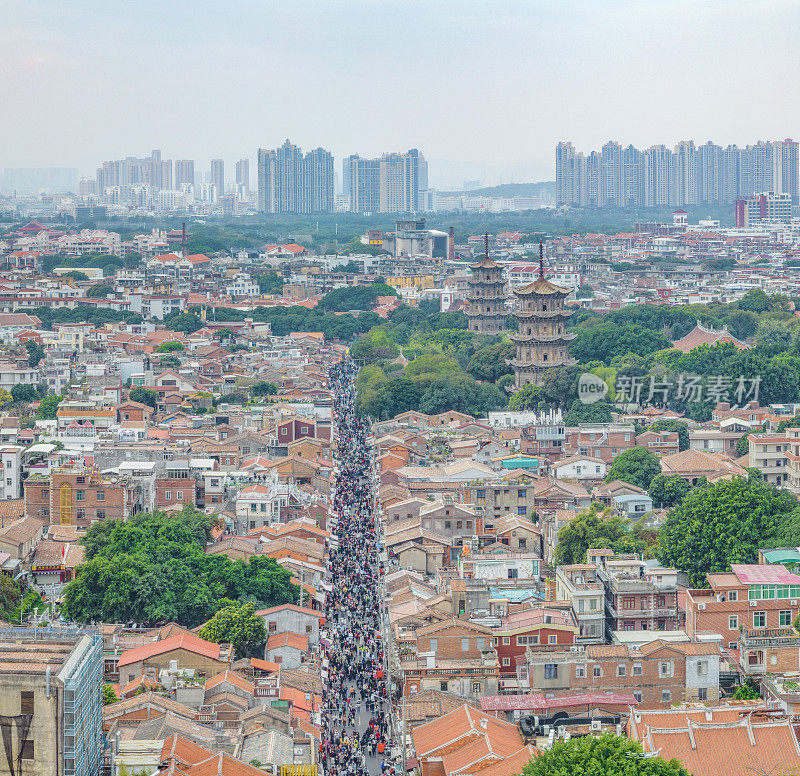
(487,298)
(542,336)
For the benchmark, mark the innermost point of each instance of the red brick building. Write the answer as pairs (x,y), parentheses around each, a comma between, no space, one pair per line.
(175,491)
(79,496)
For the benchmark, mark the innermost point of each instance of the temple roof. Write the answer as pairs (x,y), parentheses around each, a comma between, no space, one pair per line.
(542,286)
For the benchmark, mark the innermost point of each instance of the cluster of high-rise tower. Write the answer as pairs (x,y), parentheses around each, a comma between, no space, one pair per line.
(540,315)
(620,176)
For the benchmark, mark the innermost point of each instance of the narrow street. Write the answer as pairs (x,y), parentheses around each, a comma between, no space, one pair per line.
(356,734)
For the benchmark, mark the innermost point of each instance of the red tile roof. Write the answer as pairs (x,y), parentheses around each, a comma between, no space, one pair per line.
(185,641)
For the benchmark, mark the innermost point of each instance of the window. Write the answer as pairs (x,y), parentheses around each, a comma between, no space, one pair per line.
(785,617)
(101,495)
(80,495)
(666,696)
(26,702)
(80,480)
(101,514)
(45,493)
(309,629)
(27,749)
(621,669)
(168,495)
(506,641)
(80,514)
(759,619)
(476,688)
(480,493)
(733,595)
(702,668)
(636,669)
(433,643)
(550,671)
(479,642)
(521,493)
(442,685)
(552,639)
(637,694)
(580,671)
(465,645)
(665,668)
(179,495)
(597,672)
(506,661)
(733,622)
(702,694)
(521,511)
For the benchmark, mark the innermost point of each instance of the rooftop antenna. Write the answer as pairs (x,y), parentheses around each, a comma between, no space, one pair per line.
(541,259)
(486,244)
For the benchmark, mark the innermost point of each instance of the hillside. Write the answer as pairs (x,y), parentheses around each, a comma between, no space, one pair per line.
(508,190)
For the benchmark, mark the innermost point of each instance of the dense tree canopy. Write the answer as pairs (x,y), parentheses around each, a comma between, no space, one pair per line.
(144,396)
(672,425)
(153,568)
(666,491)
(605,755)
(355,297)
(726,523)
(636,465)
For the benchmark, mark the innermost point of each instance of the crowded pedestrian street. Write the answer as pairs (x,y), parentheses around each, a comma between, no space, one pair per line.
(356,731)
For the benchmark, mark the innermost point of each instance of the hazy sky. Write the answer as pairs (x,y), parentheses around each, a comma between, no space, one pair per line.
(475,85)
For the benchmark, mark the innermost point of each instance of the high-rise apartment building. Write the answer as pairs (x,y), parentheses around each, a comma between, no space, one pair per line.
(292,182)
(243,176)
(687,175)
(363,180)
(784,168)
(184,173)
(218,176)
(151,171)
(403,182)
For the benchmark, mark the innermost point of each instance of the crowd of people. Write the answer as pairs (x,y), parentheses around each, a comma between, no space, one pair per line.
(355,725)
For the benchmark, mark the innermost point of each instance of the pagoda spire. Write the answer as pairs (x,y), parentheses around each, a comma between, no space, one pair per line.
(541,259)
(486,244)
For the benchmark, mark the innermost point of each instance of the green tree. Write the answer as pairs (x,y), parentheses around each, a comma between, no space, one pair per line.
(636,465)
(9,596)
(746,692)
(270,283)
(604,342)
(153,568)
(109,696)
(605,755)
(144,396)
(35,352)
(666,491)
(596,526)
(599,412)
(237,625)
(672,425)
(99,291)
(263,388)
(723,523)
(490,363)
(527,398)
(75,275)
(48,407)
(23,393)
(188,323)
(170,347)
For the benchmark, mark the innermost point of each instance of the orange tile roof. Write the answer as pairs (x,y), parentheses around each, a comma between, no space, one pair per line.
(232,678)
(728,749)
(277,640)
(184,641)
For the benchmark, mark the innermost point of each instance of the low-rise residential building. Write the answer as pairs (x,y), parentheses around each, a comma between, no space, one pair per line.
(579,584)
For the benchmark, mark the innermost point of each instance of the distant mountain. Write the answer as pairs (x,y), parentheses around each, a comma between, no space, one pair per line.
(508,190)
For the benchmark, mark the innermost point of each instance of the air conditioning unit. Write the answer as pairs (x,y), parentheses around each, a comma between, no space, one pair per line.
(753,603)
(595,724)
(794,602)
